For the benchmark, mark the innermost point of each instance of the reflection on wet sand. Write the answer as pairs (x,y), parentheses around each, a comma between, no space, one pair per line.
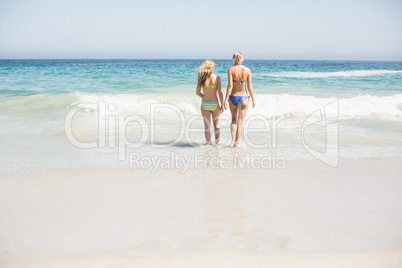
(227,214)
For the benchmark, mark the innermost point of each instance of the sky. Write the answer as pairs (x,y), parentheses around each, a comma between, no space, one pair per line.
(316,30)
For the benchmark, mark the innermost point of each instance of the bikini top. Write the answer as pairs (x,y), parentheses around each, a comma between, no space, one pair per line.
(240,82)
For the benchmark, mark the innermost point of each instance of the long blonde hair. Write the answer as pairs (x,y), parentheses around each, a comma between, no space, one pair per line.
(205,71)
(237,58)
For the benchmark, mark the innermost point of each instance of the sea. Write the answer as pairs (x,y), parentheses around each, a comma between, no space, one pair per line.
(134,114)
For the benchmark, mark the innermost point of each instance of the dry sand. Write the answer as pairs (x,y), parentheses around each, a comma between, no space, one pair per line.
(309,215)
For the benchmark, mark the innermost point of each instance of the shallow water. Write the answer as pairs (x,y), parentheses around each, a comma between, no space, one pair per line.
(305,110)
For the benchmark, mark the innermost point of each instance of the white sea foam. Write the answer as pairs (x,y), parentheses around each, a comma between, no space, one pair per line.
(189,104)
(358,106)
(330,74)
(267,105)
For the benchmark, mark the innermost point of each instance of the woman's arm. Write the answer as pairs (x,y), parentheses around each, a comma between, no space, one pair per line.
(220,94)
(250,88)
(228,90)
(198,90)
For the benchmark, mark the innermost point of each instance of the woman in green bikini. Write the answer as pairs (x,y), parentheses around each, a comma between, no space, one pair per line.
(211,105)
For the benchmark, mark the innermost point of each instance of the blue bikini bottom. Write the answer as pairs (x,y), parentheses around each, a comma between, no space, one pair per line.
(236,100)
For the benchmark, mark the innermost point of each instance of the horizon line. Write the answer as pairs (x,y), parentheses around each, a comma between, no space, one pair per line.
(194,59)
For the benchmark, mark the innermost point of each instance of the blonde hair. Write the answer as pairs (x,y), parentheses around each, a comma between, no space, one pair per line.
(237,58)
(205,71)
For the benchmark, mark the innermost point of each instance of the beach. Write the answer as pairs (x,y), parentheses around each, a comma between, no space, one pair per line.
(308,215)
(103,163)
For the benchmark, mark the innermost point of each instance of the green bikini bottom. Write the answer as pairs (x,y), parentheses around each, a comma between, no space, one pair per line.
(209,106)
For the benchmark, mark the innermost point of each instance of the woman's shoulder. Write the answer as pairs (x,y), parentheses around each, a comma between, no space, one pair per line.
(248,71)
(232,69)
(215,77)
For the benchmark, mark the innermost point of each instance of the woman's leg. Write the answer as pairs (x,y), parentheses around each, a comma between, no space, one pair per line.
(215,117)
(240,123)
(206,115)
(233,125)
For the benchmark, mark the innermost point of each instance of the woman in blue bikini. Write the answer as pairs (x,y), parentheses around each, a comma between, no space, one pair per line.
(210,107)
(237,93)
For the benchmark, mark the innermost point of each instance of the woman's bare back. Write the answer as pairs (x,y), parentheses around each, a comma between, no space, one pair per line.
(239,75)
(211,87)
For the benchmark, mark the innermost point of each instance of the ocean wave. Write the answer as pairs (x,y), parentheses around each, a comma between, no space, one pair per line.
(266,104)
(330,74)
(36,102)
(129,103)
